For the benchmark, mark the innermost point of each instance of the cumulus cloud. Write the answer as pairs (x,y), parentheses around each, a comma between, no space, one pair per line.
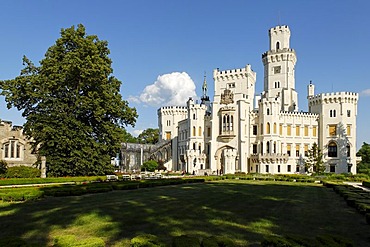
(169,89)
(136,132)
(365,92)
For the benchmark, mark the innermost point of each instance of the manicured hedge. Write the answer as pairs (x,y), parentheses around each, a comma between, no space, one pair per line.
(146,240)
(71,240)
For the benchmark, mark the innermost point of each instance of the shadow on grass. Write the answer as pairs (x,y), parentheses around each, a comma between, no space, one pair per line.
(243,211)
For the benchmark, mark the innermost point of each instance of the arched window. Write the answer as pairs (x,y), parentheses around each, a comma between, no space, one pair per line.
(274,128)
(268,147)
(332,149)
(194,116)
(277,45)
(331,113)
(268,128)
(200,131)
(268,111)
(194,146)
(12,149)
(274,148)
(334,113)
(194,131)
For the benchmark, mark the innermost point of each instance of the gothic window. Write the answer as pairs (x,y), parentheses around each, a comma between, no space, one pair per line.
(332,149)
(200,131)
(268,111)
(193,146)
(331,113)
(194,131)
(278,168)
(268,128)
(268,147)
(194,116)
(274,148)
(334,113)
(267,168)
(274,128)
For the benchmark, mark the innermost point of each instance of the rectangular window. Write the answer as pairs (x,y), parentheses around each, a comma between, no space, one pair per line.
(289,130)
(254,148)
(289,168)
(255,130)
(348,113)
(305,130)
(297,130)
(208,131)
(267,168)
(348,130)
(261,129)
(306,150)
(280,129)
(332,130)
(278,168)
(168,135)
(297,169)
(288,149)
(332,168)
(297,150)
(314,131)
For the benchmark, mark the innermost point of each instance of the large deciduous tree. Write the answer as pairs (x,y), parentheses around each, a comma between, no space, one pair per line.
(364,153)
(149,136)
(72,105)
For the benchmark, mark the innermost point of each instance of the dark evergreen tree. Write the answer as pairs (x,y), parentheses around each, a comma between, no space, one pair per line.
(72,105)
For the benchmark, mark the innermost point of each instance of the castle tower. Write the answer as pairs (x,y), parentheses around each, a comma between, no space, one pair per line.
(279,62)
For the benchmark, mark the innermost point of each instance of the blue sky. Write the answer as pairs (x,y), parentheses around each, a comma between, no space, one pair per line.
(152,40)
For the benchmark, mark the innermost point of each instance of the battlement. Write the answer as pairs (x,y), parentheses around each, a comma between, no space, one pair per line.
(277,29)
(299,114)
(233,74)
(171,110)
(335,97)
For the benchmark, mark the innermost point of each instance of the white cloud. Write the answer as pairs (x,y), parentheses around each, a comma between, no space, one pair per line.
(136,132)
(169,89)
(365,92)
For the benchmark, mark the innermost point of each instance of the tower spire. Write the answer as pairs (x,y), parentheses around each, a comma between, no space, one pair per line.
(204,87)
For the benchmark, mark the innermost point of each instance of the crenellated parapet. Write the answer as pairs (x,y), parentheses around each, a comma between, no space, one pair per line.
(334,98)
(299,114)
(172,110)
(285,54)
(234,74)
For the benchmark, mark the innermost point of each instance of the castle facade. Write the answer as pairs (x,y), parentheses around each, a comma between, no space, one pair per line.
(240,131)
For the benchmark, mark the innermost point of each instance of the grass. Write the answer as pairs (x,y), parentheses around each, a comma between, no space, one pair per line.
(245,211)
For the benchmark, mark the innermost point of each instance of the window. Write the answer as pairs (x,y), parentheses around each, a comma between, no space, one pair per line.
(332,149)
(297,130)
(297,168)
(348,150)
(194,146)
(332,130)
(268,111)
(314,131)
(200,131)
(348,113)
(288,147)
(274,128)
(334,115)
(261,148)
(168,122)
(277,45)
(305,130)
(268,147)
(194,131)
(280,129)
(194,116)
(255,130)
(208,131)
(12,149)
(227,123)
(289,168)
(274,148)
(306,150)
(268,128)
(297,150)
(261,129)
(332,168)
(278,168)
(254,149)
(267,168)
(289,130)
(348,130)
(331,113)
(168,135)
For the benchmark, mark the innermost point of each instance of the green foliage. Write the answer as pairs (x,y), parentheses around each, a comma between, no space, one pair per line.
(146,240)
(314,161)
(217,241)
(149,136)
(71,241)
(185,241)
(364,153)
(22,172)
(72,105)
(13,242)
(3,167)
(150,165)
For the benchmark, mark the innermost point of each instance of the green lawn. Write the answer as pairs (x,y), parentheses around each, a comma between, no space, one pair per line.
(245,211)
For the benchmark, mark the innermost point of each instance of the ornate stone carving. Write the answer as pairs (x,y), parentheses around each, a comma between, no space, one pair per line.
(227,97)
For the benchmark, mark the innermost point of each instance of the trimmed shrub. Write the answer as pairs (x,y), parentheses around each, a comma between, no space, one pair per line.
(185,241)
(22,172)
(146,240)
(3,167)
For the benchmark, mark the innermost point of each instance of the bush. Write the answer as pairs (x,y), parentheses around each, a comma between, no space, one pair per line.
(13,242)
(22,172)
(217,241)
(146,240)
(3,167)
(71,240)
(150,165)
(185,241)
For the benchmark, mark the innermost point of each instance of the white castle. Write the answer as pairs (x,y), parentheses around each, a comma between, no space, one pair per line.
(242,132)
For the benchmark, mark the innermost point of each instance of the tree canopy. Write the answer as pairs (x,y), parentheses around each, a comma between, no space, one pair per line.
(149,136)
(364,152)
(72,105)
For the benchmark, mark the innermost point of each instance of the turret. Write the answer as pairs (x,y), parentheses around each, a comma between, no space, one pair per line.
(310,90)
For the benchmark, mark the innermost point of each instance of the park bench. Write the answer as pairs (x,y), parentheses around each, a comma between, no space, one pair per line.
(112,178)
